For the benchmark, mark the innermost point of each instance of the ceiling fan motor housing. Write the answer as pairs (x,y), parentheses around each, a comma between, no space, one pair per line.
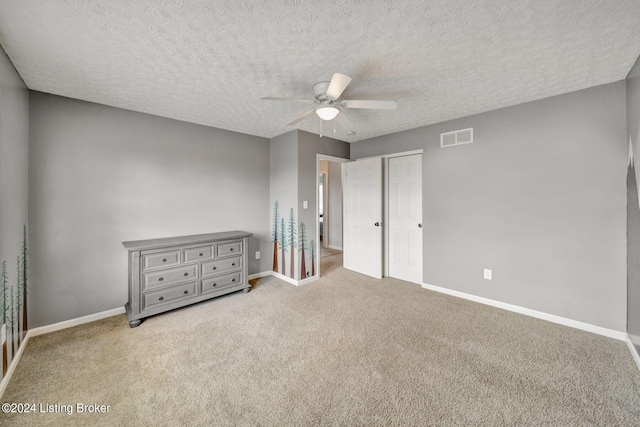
(320,91)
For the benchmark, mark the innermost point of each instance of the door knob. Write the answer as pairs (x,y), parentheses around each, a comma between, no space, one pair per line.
(377,224)
(420,225)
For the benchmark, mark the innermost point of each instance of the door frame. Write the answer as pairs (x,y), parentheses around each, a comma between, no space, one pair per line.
(385,203)
(329,158)
(325,217)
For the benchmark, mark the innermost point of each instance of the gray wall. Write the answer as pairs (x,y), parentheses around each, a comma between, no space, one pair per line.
(309,145)
(539,198)
(633,219)
(99,176)
(283,153)
(335,204)
(633,257)
(14,145)
(633,110)
(294,180)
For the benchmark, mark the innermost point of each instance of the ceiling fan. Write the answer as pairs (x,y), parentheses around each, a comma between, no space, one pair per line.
(329,107)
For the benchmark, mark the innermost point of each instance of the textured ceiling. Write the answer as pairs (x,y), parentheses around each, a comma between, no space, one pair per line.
(208,62)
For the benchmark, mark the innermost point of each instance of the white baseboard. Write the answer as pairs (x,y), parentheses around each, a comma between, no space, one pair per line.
(285,278)
(51,328)
(261,274)
(634,352)
(337,248)
(14,363)
(294,281)
(517,309)
(307,280)
(533,313)
(75,322)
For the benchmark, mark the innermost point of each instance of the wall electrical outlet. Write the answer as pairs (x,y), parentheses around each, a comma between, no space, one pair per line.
(305,204)
(487,274)
(257,254)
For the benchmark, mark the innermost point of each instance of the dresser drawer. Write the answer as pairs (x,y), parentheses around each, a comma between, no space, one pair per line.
(195,254)
(160,260)
(229,249)
(169,276)
(172,272)
(169,295)
(221,265)
(214,284)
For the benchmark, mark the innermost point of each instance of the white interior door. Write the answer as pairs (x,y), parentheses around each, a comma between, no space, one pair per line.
(405,218)
(363,217)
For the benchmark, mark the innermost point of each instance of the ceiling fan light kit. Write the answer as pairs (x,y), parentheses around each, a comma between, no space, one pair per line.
(326,94)
(327,112)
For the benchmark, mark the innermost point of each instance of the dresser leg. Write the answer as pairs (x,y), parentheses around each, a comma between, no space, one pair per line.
(134,323)
(245,290)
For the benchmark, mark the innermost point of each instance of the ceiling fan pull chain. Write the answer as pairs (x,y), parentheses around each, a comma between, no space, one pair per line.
(334,125)
(320,128)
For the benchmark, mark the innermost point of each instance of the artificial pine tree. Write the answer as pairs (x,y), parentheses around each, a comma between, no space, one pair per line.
(292,241)
(283,244)
(12,323)
(302,247)
(25,253)
(274,234)
(18,300)
(3,288)
(313,257)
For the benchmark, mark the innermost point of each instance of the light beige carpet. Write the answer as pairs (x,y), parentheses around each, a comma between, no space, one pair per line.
(325,252)
(344,351)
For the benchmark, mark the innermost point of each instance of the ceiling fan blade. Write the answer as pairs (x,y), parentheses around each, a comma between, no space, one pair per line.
(302,117)
(372,105)
(344,120)
(276,98)
(339,83)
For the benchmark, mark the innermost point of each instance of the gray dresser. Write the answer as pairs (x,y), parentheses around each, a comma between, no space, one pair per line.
(168,273)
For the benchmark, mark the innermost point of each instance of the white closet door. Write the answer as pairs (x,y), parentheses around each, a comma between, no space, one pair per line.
(405,218)
(363,217)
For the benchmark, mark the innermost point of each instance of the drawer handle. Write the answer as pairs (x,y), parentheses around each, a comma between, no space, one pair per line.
(160,279)
(233,280)
(160,299)
(185,274)
(233,264)
(230,249)
(214,267)
(200,254)
(215,284)
(185,292)
(164,260)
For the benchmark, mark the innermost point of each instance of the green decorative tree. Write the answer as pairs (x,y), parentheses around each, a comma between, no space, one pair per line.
(18,299)
(274,234)
(292,241)
(25,253)
(283,244)
(302,247)
(12,324)
(4,283)
(313,257)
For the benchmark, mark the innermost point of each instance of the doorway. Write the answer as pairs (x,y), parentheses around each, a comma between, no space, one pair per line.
(329,228)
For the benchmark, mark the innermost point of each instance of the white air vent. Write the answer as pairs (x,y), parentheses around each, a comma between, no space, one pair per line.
(457,137)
